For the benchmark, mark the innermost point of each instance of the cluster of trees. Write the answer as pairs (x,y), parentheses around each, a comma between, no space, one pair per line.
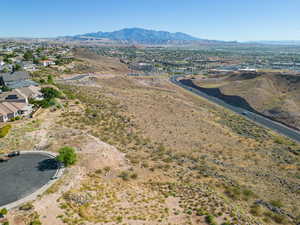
(49,97)
(29,56)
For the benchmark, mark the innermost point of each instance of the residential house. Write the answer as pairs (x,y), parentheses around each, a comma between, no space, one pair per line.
(12,104)
(7,67)
(17,79)
(32,92)
(47,62)
(13,96)
(28,66)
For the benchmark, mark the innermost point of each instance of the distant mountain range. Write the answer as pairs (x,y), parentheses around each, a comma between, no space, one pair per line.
(139,36)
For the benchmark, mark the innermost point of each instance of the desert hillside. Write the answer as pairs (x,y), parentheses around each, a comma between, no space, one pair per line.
(96,63)
(273,94)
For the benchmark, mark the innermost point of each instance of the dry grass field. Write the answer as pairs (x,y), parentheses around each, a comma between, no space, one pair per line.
(152,153)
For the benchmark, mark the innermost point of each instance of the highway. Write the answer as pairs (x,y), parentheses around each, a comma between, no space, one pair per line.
(259,119)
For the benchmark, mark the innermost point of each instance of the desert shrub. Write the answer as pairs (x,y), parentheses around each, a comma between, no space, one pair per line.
(99,171)
(124,175)
(200,212)
(134,176)
(210,220)
(3,211)
(15,118)
(36,222)
(119,219)
(277,203)
(4,130)
(283,140)
(107,169)
(233,192)
(279,218)
(26,206)
(247,194)
(67,156)
(69,94)
(256,210)
(243,127)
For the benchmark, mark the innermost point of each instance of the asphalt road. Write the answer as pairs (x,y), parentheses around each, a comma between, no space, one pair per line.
(259,119)
(77,77)
(23,175)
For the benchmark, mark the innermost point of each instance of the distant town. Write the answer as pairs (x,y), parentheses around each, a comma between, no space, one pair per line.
(18,64)
(22,62)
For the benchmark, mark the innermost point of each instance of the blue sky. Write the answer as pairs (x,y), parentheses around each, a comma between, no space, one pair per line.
(212,19)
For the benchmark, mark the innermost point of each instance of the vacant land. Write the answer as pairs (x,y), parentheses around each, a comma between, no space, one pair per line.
(152,153)
(176,151)
(91,62)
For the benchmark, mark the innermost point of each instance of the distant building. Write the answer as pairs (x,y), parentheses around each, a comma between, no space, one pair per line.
(248,70)
(28,66)
(147,67)
(47,62)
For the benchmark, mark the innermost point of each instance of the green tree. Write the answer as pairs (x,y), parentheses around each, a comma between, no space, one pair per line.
(5,70)
(50,79)
(44,57)
(7,60)
(28,56)
(67,156)
(50,93)
(36,61)
(17,67)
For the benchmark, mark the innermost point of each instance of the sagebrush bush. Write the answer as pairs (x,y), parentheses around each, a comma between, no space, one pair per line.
(4,130)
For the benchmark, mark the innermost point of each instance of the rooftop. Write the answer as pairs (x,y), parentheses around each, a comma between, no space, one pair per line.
(16,76)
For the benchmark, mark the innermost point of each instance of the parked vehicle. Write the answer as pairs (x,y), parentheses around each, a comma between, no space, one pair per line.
(4,159)
(13,154)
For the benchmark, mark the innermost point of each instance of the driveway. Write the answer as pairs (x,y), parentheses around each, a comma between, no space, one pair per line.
(23,175)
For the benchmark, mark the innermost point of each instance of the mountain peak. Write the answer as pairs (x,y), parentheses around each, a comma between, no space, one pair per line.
(141,36)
